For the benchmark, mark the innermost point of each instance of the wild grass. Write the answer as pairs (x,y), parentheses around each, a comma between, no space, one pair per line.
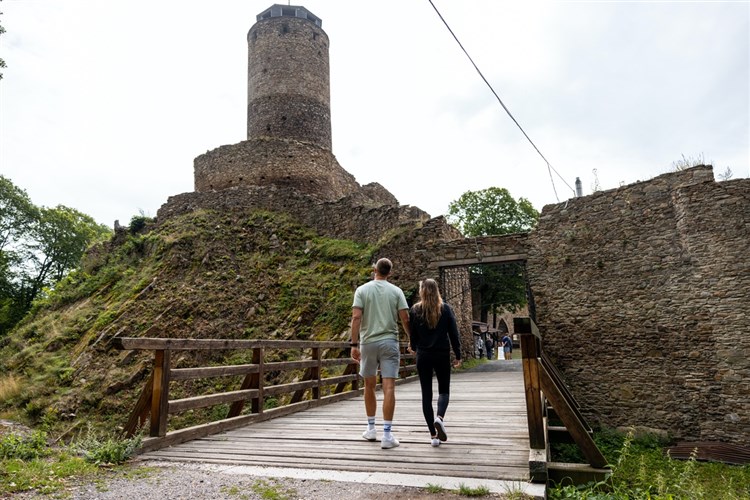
(468,491)
(29,463)
(641,470)
(10,387)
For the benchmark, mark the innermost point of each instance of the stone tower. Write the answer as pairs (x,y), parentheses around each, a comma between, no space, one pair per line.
(288,118)
(288,85)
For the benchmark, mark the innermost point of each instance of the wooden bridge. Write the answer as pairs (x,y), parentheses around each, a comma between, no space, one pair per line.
(496,421)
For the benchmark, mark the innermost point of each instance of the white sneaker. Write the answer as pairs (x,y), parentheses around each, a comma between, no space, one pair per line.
(435,442)
(440,428)
(370,434)
(389,442)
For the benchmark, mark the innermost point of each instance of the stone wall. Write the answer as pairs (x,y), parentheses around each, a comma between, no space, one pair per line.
(304,167)
(642,296)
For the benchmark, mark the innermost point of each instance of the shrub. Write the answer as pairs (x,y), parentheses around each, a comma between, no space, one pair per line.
(101,450)
(23,447)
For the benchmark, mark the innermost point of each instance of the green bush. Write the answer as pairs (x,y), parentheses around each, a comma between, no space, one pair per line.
(23,447)
(107,449)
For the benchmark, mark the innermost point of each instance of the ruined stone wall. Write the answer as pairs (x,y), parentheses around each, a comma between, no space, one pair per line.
(304,167)
(642,296)
(348,218)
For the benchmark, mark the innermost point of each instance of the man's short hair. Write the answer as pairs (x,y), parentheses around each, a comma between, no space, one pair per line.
(383,266)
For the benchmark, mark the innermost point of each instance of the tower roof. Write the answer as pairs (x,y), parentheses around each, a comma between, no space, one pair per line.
(279,10)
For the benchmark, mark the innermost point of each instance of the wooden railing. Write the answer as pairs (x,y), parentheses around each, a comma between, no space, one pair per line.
(312,388)
(546,390)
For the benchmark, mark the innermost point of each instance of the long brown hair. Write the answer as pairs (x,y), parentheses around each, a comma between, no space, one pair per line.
(430,305)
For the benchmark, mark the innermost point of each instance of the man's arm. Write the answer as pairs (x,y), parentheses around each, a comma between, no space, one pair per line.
(356,323)
(404,315)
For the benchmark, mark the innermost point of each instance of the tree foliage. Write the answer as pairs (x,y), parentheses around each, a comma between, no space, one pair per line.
(491,211)
(38,247)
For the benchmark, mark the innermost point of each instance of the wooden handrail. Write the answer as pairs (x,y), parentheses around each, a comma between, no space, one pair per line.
(543,382)
(310,389)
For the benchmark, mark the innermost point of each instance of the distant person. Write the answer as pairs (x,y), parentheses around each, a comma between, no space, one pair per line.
(489,346)
(377,307)
(507,347)
(433,333)
(479,346)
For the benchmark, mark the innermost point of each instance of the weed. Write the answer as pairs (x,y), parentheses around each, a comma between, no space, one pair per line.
(43,475)
(101,450)
(234,491)
(468,491)
(270,490)
(434,488)
(641,470)
(23,447)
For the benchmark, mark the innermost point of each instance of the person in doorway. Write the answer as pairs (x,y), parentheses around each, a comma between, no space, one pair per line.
(433,333)
(377,307)
(479,346)
(507,347)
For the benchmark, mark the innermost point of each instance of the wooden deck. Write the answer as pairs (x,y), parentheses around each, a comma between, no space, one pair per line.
(486,425)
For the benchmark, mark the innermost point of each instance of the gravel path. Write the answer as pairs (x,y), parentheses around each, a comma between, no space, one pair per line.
(180,482)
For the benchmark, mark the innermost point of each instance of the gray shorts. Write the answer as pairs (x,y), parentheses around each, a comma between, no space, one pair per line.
(383,353)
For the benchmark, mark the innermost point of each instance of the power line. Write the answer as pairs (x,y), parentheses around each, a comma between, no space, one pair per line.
(550,169)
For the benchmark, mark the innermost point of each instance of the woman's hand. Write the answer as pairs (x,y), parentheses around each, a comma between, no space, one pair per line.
(456,363)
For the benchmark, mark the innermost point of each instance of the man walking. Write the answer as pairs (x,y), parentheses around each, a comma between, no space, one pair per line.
(377,307)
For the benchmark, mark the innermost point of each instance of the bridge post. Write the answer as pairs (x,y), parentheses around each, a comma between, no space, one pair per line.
(256,381)
(160,393)
(530,353)
(315,372)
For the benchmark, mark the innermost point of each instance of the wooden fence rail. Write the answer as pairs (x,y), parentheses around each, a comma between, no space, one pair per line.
(310,389)
(545,389)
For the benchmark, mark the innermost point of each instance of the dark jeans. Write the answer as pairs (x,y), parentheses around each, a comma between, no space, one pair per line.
(438,363)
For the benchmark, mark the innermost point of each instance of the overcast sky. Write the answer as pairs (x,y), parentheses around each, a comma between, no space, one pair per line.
(105,103)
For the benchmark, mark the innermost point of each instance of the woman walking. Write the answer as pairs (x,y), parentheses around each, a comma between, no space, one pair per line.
(433,333)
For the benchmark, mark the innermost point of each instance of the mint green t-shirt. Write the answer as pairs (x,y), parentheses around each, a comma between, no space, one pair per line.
(380,302)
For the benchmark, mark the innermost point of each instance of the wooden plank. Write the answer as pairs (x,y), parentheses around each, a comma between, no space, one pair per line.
(160,394)
(273,390)
(142,408)
(534,409)
(155,344)
(486,424)
(211,371)
(180,405)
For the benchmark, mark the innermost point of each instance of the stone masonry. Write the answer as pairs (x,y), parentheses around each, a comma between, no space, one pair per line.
(642,296)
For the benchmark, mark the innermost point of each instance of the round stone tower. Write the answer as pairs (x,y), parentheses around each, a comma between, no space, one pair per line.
(288,118)
(288,85)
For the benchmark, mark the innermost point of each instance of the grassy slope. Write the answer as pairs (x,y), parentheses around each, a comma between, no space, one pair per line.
(201,275)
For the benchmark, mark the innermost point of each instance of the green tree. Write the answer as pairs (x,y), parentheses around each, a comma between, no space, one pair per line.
(491,211)
(17,213)
(17,216)
(55,245)
(38,247)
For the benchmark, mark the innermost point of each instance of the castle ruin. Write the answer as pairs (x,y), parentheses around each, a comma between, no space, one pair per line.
(642,292)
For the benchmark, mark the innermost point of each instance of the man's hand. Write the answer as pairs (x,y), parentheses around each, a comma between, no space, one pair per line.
(356,355)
